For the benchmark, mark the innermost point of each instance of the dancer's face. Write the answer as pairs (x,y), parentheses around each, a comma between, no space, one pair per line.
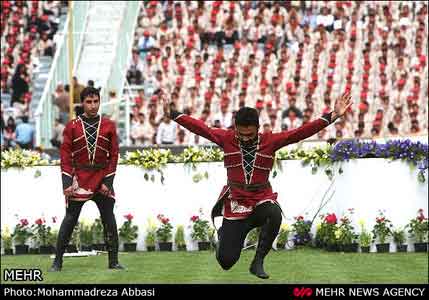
(91,104)
(247,134)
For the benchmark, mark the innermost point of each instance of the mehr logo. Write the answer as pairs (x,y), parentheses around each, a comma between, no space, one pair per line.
(22,275)
(302,292)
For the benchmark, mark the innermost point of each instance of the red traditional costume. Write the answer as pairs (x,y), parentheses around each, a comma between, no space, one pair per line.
(248,184)
(89,155)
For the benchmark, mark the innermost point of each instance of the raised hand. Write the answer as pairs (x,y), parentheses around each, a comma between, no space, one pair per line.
(342,104)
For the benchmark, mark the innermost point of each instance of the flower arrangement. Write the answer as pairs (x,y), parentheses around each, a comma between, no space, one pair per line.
(414,153)
(128,232)
(19,158)
(382,228)
(346,234)
(150,238)
(418,227)
(283,236)
(179,238)
(302,229)
(325,233)
(163,233)
(22,232)
(200,229)
(365,236)
(41,232)
(398,236)
(192,155)
(6,237)
(151,160)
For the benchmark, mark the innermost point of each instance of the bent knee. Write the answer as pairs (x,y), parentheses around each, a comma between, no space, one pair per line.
(226,261)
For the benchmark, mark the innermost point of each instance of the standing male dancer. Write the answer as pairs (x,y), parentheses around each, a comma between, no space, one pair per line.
(248,201)
(89,156)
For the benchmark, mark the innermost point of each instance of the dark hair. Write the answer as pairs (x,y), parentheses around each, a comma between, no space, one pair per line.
(247,116)
(24,119)
(91,83)
(89,91)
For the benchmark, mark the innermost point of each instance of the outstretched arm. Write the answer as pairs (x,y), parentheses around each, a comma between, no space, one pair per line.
(293,136)
(196,126)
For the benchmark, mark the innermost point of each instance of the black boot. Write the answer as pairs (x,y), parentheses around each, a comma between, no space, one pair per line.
(264,246)
(257,268)
(113,261)
(57,265)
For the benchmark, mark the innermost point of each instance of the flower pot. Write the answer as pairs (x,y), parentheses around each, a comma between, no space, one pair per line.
(85,248)
(99,247)
(364,249)
(46,249)
(71,249)
(350,248)
(382,248)
(165,246)
(150,248)
(280,246)
(181,247)
(33,251)
(202,246)
(130,247)
(8,251)
(401,248)
(420,247)
(21,249)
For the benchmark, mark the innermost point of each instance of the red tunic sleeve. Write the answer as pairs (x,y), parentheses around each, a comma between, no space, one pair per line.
(66,156)
(215,135)
(285,138)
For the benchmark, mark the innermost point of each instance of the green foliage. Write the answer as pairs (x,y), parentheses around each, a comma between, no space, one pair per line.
(6,238)
(418,227)
(200,229)
(398,236)
(97,230)
(128,232)
(179,237)
(85,233)
(382,228)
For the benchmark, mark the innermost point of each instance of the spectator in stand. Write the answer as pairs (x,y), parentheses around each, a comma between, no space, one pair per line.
(166,134)
(19,84)
(139,134)
(292,121)
(145,44)
(10,134)
(25,134)
(62,100)
(57,135)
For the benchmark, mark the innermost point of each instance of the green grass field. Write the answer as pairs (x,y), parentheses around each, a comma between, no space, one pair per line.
(295,266)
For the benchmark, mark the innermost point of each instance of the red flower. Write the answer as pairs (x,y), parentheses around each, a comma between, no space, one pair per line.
(165,221)
(129,217)
(54,219)
(299,218)
(195,218)
(24,222)
(39,221)
(420,211)
(331,219)
(421,217)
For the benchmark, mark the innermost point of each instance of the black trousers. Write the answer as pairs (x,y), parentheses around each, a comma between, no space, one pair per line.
(105,206)
(232,234)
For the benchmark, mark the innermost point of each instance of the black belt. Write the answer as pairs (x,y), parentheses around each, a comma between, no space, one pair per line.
(89,166)
(257,187)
